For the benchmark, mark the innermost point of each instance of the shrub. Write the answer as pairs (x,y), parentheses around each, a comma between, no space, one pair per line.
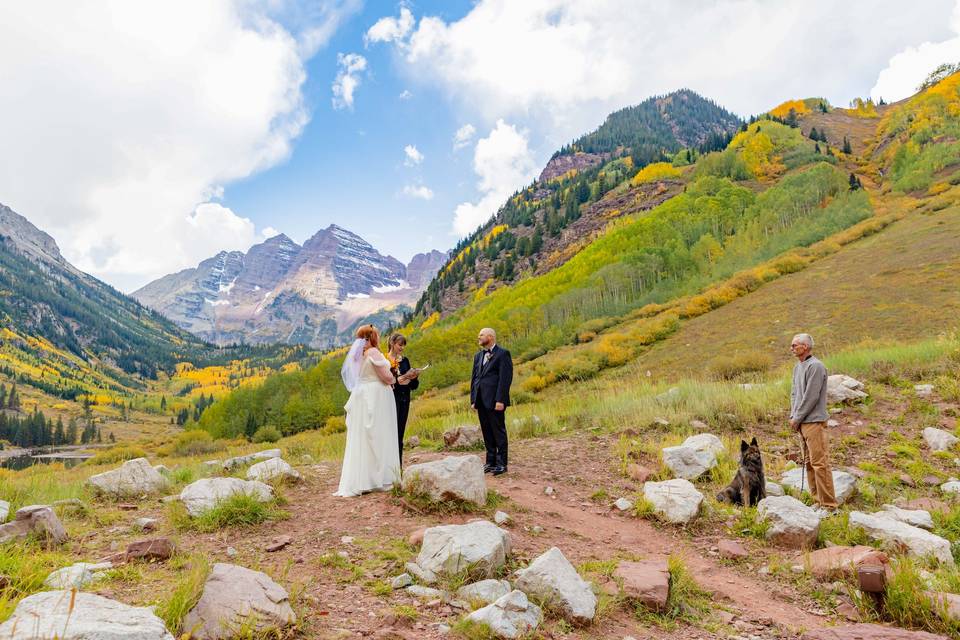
(266,433)
(655,172)
(195,442)
(120,453)
(534,384)
(740,364)
(334,424)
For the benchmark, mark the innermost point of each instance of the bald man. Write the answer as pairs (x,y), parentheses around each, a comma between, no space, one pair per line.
(490,396)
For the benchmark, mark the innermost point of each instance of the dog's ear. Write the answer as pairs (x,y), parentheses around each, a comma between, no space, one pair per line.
(743,446)
(754,441)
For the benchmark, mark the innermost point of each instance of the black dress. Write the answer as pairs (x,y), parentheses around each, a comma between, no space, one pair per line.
(401,393)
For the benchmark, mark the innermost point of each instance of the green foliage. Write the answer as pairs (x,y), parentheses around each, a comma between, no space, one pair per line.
(190,580)
(741,364)
(238,510)
(194,442)
(267,434)
(116,454)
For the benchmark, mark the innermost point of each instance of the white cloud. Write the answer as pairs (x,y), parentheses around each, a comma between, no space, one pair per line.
(560,66)
(268,232)
(414,157)
(352,65)
(405,95)
(420,191)
(908,68)
(321,19)
(504,163)
(121,120)
(463,136)
(391,29)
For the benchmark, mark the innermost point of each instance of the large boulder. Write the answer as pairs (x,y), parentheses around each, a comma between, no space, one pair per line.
(235,596)
(646,582)
(551,579)
(76,576)
(841,388)
(676,501)
(484,591)
(452,478)
(204,494)
(463,437)
(511,616)
(694,457)
(135,477)
(914,517)
(939,440)
(453,548)
(239,461)
(70,615)
(868,632)
(791,523)
(833,563)
(273,469)
(917,542)
(4,511)
(844,484)
(36,518)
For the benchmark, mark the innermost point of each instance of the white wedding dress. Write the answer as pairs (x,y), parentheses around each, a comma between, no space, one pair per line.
(371,461)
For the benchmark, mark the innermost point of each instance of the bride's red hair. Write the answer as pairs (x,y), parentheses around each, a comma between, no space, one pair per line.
(369,333)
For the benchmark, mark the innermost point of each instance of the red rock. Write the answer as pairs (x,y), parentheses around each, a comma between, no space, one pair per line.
(907,480)
(848,611)
(278,543)
(647,582)
(868,632)
(126,506)
(947,604)
(927,504)
(151,549)
(638,472)
(835,562)
(732,550)
(416,537)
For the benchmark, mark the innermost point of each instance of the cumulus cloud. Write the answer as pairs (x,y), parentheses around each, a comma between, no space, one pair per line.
(419,191)
(268,232)
(405,94)
(561,66)
(389,29)
(414,157)
(503,162)
(123,120)
(351,67)
(463,136)
(908,68)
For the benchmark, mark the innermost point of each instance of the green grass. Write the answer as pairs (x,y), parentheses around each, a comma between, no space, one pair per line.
(27,563)
(687,602)
(238,510)
(191,576)
(906,603)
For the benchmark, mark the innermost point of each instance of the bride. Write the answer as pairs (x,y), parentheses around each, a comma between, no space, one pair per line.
(371,461)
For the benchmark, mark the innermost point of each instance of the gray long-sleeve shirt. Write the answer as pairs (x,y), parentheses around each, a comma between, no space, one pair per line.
(808,395)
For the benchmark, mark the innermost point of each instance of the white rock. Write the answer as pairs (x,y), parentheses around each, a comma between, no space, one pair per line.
(551,579)
(916,541)
(80,616)
(841,388)
(418,572)
(4,511)
(204,494)
(162,469)
(212,465)
(699,425)
(548,491)
(914,517)
(455,477)
(233,596)
(463,437)
(425,593)
(688,463)
(145,524)
(774,489)
(239,461)
(923,390)
(273,468)
(501,518)
(623,504)
(938,439)
(512,616)
(950,487)
(705,442)
(844,484)
(833,424)
(76,576)
(792,523)
(452,548)
(484,591)
(401,581)
(676,501)
(133,478)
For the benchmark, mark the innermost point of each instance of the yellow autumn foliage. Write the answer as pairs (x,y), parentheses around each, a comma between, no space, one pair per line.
(783,110)
(654,172)
(430,321)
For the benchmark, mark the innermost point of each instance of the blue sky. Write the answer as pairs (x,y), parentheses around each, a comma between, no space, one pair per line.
(146,137)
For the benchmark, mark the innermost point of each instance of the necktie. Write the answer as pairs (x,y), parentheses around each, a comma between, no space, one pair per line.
(486,356)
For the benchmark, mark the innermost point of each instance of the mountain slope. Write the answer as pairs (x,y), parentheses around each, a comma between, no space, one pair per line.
(582,188)
(280,292)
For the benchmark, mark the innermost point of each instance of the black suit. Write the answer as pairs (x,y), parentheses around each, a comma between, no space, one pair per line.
(401,393)
(490,384)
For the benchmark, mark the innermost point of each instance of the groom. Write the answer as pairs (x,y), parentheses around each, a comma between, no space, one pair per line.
(490,396)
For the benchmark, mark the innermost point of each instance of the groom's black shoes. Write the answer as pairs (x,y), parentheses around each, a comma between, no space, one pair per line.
(488,468)
(499,471)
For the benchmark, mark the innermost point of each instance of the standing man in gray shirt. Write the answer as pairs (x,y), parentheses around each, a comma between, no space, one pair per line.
(808,416)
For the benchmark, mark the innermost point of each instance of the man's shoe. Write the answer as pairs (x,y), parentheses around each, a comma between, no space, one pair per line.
(499,471)
(488,468)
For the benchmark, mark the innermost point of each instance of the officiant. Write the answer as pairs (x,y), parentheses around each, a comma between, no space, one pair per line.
(406,381)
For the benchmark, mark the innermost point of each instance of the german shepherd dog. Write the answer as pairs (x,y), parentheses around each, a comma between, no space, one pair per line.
(749,485)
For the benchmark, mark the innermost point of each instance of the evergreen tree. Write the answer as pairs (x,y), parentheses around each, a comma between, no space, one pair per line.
(163,403)
(59,435)
(814,134)
(854,182)
(829,151)
(3,395)
(846,146)
(251,426)
(13,400)
(99,436)
(72,431)
(816,148)
(112,438)
(823,107)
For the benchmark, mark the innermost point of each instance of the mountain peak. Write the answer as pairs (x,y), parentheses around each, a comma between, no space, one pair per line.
(28,239)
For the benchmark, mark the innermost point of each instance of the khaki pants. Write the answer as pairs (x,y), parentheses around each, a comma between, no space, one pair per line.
(819,474)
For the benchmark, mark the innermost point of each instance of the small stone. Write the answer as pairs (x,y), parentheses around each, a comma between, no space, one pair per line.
(923,390)
(732,550)
(230,594)
(646,582)
(939,440)
(500,518)
(699,425)
(833,424)
(548,491)
(231,552)
(423,575)
(346,540)
(415,539)
(278,543)
(152,549)
(536,529)
(551,578)
(145,524)
(638,472)
(412,442)
(401,581)
(623,504)
(774,489)
(424,593)
(484,591)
